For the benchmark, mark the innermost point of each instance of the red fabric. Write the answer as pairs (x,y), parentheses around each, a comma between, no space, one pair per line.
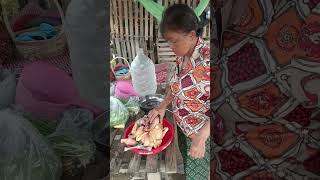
(161,72)
(29,13)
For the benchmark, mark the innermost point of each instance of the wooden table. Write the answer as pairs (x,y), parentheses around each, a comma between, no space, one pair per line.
(167,165)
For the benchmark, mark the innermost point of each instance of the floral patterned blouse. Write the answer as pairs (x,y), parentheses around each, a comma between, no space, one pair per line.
(191,90)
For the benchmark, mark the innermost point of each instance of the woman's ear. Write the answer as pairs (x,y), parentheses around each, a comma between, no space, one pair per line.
(193,34)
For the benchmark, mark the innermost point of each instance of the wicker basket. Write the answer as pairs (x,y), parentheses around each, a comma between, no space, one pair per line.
(38,48)
(114,65)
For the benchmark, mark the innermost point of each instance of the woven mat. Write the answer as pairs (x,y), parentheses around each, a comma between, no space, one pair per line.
(61,61)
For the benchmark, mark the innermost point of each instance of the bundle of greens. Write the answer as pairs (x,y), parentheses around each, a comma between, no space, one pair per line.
(71,148)
(132,105)
(71,138)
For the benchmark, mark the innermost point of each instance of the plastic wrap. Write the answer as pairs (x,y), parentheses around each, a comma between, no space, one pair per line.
(118,112)
(25,154)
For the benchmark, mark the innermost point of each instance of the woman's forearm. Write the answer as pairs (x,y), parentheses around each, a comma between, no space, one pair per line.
(167,100)
(205,130)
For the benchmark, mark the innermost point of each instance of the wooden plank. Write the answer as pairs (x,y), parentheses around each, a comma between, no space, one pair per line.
(125,161)
(115,16)
(112,31)
(139,176)
(180,165)
(169,58)
(141,20)
(126,22)
(146,27)
(133,50)
(126,17)
(189,2)
(120,10)
(194,3)
(136,25)
(152,163)
(166,53)
(162,165)
(118,47)
(134,164)
(116,27)
(164,49)
(143,165)
(119,177)
(154,176)
(113,133)
(171,159)
(166,3)
(174,176)
(151,27)
(116,153)
(131,15)
(123,48)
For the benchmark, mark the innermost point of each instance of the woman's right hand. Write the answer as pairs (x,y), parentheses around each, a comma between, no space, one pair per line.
(159,111)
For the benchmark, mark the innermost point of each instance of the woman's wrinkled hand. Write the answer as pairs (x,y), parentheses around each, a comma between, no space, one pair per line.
(155,113)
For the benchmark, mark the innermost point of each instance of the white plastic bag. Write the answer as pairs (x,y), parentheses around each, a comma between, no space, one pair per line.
(25,154)
(85,30)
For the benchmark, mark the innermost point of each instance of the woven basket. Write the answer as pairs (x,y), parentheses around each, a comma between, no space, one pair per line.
(38,48)
(115,64)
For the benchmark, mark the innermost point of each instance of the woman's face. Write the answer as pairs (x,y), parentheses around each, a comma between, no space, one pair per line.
(181,43)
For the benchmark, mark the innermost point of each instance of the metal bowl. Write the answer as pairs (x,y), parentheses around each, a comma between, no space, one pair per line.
(150,102)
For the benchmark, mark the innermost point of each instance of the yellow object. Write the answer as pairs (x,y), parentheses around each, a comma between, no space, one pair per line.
(121,126)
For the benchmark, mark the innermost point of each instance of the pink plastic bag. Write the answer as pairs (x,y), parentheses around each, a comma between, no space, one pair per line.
(45,90)
(124,89)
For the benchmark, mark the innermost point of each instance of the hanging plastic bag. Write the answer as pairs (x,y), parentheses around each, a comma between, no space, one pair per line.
(7,88)
(156,9)
(118,112)
(25,154)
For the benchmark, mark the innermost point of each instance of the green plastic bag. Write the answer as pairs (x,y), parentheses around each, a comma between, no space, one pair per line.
(157,10)
(118,112)
(132,105)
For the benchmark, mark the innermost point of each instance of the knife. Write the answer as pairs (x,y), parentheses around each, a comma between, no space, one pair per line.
(139,146)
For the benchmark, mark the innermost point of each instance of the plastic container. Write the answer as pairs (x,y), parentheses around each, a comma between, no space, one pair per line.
(143,75)
(85,28)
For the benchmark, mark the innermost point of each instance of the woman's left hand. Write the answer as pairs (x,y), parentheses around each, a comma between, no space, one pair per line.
(198,146)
